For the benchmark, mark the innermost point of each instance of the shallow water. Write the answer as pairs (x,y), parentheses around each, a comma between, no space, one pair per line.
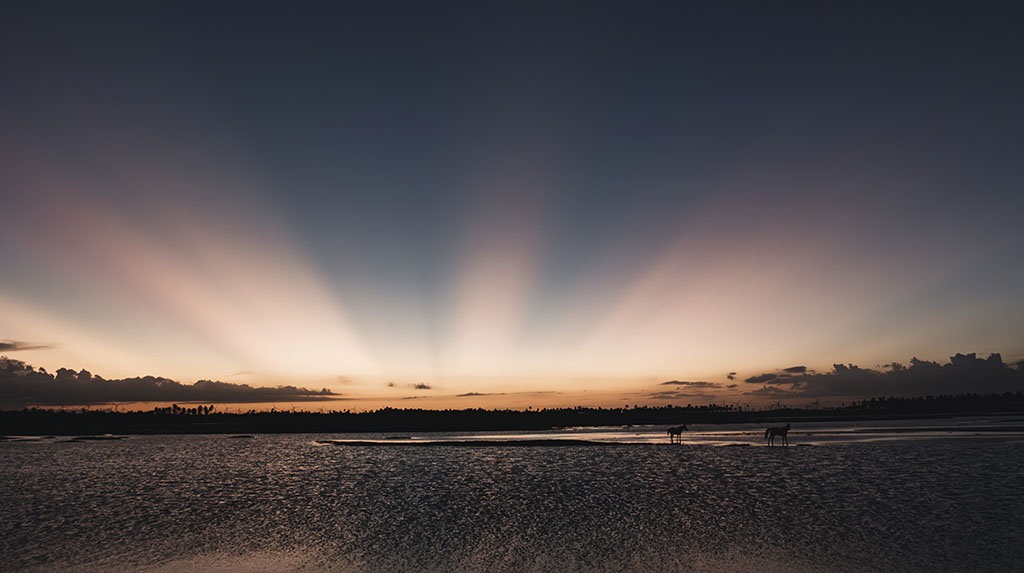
(285,502)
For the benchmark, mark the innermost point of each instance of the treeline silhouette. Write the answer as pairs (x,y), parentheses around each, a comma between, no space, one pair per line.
(207,420)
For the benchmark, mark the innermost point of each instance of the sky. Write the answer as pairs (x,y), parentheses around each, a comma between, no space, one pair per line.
(548,203)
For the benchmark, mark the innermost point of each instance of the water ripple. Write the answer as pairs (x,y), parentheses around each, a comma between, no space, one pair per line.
(285,503)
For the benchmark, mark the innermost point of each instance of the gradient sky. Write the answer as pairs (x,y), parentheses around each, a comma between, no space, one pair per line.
(508,197)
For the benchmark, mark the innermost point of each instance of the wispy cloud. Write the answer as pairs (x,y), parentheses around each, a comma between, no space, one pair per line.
(674,395)
(769,391)
(468,394)
(416,386)
(16,345)
(699,384)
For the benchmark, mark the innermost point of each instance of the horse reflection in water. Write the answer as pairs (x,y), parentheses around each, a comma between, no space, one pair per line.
(675,435)
(781,431)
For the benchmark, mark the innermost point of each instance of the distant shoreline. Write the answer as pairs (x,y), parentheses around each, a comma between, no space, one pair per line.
(473,443)
(39,422)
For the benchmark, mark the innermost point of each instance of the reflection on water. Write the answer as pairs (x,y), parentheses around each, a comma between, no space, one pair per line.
(284,502)
(806,433)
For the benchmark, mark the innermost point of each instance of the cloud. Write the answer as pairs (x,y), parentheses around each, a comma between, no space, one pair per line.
(419,386)
(681,395)
(21,384)
(242,373)
(692,384)
(732,386)
(769,391)
(16,345)
(791,375)
(526,393)
(731,376)
(674,394)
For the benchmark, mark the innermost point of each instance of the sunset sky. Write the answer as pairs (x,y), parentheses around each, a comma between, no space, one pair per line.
(556,203)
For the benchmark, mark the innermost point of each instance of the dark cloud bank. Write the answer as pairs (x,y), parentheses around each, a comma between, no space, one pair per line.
(21,384)
(964,373)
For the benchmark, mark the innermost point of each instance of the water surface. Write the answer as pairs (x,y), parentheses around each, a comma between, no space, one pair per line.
(288,502)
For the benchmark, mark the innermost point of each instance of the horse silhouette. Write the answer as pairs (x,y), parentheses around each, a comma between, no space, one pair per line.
(783,431)
(676,434)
